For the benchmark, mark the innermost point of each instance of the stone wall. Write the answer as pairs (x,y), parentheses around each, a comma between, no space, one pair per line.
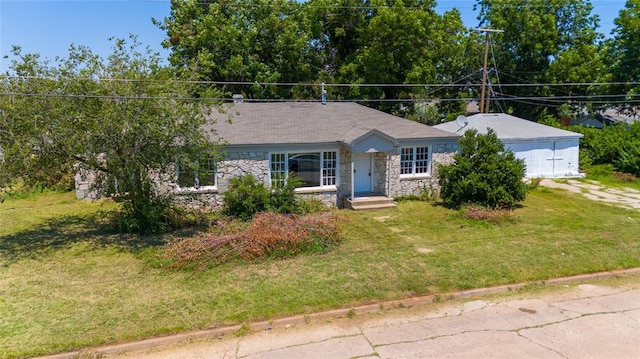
(380,172)
(257,164)
(344,181)
(239,163)
(329,199)
(234,164)
(441,154)
(83,182)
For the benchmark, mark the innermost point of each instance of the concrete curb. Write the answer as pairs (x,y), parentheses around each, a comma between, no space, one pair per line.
(333,314)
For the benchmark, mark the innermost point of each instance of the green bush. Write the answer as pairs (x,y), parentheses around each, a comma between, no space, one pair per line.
(483,173)
(284,199)
(310,205)
(606,169)
(617,145)
(245,197)
(156,215)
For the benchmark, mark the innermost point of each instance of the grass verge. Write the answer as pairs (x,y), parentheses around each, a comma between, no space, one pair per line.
(65,284)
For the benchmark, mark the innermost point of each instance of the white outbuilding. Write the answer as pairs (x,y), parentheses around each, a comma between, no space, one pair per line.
(547,151)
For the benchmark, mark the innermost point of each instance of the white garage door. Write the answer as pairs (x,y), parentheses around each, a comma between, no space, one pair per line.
(542,158)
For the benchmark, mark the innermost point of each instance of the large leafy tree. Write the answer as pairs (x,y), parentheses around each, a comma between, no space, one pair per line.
(625,52)
(337,28)
(390,42)
(544,41)
(405,42)
(483,173)
(124,120)
(262,41)
(334,41)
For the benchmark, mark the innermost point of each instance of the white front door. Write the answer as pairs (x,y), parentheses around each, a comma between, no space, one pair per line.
(362,172)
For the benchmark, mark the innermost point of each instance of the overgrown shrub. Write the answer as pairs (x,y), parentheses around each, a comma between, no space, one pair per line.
(618,145)
(245,197)
(284,199)
(268,235)
(535,182)
(483,173)
(429,193)
(310,205)
(280,235)
(157,215)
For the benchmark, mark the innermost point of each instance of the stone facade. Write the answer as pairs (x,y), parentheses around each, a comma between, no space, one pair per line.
(380,163)
(344,180)
(84,180)
(233,165)
(407,186)
(328,198)
(257,164)
(239,163)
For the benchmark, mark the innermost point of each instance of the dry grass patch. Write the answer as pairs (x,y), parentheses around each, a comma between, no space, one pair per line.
(486,214)
(267,235)
(625,177)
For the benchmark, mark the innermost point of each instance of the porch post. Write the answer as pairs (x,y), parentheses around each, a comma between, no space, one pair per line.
(352,181)
(389,174)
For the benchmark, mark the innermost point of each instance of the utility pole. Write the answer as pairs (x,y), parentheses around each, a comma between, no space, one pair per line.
(484,69)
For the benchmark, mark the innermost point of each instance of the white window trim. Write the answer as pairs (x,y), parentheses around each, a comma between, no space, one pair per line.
(414,175)
(196,189)
(316,189)
(311,189)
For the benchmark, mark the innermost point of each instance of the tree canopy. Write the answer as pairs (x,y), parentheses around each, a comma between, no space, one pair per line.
(123,119)
(372,50)
(346,42)
(545,42)
(625,51)
(242,41)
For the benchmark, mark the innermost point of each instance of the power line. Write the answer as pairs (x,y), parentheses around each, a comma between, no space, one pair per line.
(225,99)
(626,98)
(317,84)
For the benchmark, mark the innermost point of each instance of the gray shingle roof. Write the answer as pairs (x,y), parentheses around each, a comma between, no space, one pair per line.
(306,122)
(508,127)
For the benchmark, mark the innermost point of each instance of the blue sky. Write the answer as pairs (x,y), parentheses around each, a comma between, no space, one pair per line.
(48,27)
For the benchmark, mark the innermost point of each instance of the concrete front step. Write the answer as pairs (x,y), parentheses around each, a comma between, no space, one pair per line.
(374,202)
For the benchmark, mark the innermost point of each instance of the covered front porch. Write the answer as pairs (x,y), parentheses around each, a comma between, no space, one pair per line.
(370,171)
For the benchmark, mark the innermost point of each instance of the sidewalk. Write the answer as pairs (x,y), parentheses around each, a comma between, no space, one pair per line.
(628,198)
(600,319)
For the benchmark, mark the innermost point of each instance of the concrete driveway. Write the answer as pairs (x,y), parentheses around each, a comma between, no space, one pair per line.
(626,198)
(589,320)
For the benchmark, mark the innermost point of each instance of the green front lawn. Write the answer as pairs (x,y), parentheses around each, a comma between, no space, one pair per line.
(65,285)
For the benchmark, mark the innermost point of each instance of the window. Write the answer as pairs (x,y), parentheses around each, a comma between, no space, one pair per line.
(203,175)
(278,169)
(313,168)
(414,160)
(329,168)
